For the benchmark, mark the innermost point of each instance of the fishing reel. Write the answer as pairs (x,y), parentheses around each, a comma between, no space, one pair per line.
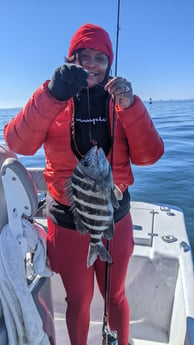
(109,337)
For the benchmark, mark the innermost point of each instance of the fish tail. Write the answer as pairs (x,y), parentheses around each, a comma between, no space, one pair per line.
(96,249)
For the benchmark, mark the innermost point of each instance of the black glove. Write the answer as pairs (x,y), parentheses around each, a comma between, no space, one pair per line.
(67,80)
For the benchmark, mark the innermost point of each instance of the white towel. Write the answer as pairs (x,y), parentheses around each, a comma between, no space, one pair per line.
(36,238)
(22,320)
(40,256)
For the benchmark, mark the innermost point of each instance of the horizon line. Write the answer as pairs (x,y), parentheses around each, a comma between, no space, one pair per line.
(145,100)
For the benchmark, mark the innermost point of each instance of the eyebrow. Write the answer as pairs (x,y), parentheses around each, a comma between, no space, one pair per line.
(87,50)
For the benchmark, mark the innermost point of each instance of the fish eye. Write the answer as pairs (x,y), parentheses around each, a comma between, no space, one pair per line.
(85,163)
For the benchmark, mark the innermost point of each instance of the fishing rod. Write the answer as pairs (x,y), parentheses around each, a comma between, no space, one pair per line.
(110,337)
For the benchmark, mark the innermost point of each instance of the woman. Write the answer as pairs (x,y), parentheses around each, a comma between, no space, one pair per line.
(68,114)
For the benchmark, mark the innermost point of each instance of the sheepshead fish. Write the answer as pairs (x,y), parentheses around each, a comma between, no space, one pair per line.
(93,196)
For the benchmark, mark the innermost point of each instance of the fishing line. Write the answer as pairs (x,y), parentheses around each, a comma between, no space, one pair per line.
(92,141)
(110,338)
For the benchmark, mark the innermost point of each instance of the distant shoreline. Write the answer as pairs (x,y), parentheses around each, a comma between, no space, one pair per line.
(145,101)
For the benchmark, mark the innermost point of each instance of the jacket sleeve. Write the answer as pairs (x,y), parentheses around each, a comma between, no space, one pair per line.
(26,132)
(145,143)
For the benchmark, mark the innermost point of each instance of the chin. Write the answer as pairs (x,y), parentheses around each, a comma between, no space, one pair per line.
(93,82)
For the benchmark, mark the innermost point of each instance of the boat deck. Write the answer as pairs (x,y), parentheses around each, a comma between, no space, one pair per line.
(95,330)
(154,285)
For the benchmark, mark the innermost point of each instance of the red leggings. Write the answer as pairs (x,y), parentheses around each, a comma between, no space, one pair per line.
(67,251)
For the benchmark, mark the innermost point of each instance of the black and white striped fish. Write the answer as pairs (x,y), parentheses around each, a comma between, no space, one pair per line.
(93,197)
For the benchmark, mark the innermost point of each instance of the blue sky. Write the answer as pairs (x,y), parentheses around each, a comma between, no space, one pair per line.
(156,44)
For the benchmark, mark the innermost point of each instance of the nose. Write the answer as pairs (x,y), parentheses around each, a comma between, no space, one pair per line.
(91,61)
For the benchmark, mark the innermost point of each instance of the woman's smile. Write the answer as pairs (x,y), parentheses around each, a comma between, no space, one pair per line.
(96,63)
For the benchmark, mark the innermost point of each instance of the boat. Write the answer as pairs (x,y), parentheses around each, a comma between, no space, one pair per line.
(160,277)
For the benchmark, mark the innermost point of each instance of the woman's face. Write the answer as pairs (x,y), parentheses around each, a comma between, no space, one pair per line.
(96,63)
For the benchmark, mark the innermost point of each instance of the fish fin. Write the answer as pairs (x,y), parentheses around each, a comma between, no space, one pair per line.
(69,191)
(95,250)
(117,192)
(113,199)
(116,195)
(69,194)
(108,234)
(80,227)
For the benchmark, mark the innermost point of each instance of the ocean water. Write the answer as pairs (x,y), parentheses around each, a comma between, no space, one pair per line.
(171,179)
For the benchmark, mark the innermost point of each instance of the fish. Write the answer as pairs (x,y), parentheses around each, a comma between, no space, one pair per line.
(92,196)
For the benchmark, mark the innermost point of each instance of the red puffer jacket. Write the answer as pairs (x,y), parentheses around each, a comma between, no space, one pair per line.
(45,120)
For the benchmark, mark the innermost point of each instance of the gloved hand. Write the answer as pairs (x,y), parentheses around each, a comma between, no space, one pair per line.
(67,80)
